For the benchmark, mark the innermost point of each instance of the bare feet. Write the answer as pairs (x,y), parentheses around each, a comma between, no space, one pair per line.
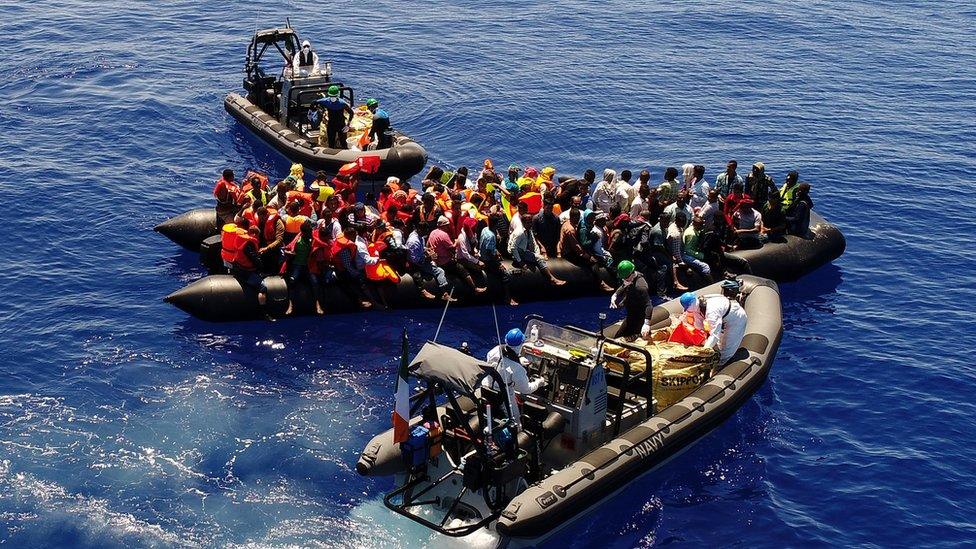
(604,287)
(480,290)
(447,297)
(365,305)
(557,282)
(427,295)
(318,309)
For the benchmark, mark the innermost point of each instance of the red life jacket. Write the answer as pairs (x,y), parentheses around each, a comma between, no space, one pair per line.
(305,199)
(241,260)
(339,244)
(233,192)
(268,230)
(321,255)
(262,179)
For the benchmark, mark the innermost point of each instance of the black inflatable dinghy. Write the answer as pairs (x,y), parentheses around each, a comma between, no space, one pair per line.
(597,425)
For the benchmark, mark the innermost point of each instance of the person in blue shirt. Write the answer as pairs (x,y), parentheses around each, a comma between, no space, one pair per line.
(379,133)
(337,124)
(488,250)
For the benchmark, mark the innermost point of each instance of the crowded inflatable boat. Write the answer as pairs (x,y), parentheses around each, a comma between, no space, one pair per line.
(298,246)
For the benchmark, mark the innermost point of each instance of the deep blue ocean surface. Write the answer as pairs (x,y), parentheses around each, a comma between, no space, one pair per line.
(125,423)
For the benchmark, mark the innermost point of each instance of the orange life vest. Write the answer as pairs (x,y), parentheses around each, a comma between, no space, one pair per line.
(268,230)
(293,225)
(233,191)
(231,240)
(380,271)
(339,244)
(305,199)
(240,259)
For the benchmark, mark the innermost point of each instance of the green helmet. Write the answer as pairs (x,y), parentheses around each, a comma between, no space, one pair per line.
(624,269)
(372,102)
(333,91)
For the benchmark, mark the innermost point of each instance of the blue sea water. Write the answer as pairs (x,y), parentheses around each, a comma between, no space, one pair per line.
(125,423)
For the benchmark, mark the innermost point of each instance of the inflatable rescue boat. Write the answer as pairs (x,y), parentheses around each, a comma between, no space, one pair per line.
(277,103)
(602,421)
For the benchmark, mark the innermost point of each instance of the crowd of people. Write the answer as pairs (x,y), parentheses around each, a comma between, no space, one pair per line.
(457,227)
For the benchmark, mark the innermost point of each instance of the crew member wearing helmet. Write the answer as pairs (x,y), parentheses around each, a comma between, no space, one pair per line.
(337,123)
(379,133)
(305,61)
(633,296)
(722,318)
(505,358)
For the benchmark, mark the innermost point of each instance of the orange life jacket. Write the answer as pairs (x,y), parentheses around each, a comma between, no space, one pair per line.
(339,244)
(268,230)
(320,256)
(233,191)
(380,271)
(305,199)
(231,239)
(240,259)
(293,225)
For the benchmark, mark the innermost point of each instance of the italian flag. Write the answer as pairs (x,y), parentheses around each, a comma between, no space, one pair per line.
(401,408)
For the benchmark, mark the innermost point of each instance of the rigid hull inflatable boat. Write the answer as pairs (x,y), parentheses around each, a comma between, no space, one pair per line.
(277,104)
(596,428)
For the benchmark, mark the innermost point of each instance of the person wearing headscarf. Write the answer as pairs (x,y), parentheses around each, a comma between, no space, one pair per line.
(605,193)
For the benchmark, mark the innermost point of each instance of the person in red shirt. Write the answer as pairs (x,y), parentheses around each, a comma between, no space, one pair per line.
(443,251)
(733,201)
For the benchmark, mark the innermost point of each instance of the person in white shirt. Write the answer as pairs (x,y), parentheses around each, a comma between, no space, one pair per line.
(625,191)
(724,320)
(306,61)
(506,360)
(699,188)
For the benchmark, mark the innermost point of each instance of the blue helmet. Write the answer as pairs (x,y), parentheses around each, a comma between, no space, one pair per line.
(514,337)
(687,299)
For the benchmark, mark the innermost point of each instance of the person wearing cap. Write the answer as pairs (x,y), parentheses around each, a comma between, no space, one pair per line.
(443,251)
(798,214)
(511,368)
(759,185)
(379,132)
(340,115)
(547,181)
(747,224)
(306,61)
(633,297)
(723,319)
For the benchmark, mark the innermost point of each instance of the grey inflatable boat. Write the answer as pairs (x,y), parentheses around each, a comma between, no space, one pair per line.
(595,429)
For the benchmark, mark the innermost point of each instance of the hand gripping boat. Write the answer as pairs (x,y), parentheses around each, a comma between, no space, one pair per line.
(277,104)
(593,430)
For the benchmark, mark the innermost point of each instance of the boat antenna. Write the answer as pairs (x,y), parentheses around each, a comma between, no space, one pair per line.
(498,333)
(450,298)
(287,22)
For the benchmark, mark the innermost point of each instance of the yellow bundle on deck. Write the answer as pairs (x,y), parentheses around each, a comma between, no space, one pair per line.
(678,369)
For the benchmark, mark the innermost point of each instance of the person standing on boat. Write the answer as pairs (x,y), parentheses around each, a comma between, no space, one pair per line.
(633,297)
(227,194)
(724,320)
(337,124)
(727,179)
(306,61)
(505,358)
(379,132)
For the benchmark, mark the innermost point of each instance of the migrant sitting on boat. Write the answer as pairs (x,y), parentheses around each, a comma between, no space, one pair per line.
(521,236)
